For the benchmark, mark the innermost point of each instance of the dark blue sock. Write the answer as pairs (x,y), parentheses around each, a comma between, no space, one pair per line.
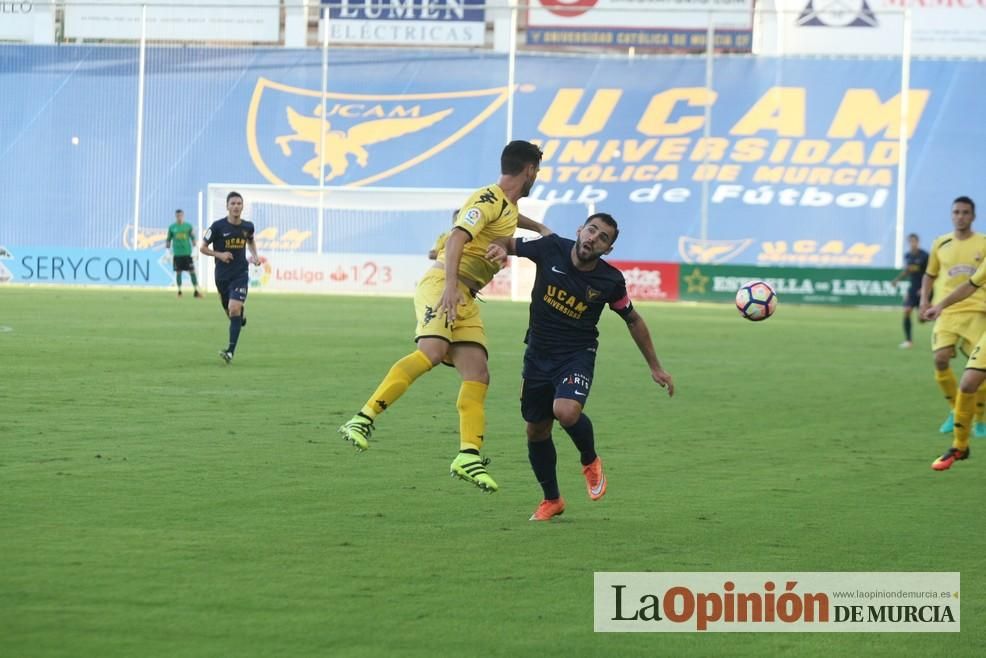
(907,327)
(235,323)
(543,459)
(582,437)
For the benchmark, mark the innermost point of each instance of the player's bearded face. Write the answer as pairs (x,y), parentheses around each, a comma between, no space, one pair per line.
(532,175)
(591,242)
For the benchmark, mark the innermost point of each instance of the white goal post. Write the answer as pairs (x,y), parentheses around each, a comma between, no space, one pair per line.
(364,240)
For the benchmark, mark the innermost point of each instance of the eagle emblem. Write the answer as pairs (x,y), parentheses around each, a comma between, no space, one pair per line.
(354,140)
(340,144)
(695,250)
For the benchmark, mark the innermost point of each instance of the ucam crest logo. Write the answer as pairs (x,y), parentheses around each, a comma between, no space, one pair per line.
(144,238)
(696,250)
(837,13)
(297,137)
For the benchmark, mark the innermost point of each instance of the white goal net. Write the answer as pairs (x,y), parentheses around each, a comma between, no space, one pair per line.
(354,240)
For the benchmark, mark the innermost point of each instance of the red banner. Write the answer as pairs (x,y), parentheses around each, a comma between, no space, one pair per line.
(647,281)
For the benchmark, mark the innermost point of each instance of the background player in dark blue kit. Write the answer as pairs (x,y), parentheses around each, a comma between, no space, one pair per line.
(915,263)
(570,290)
(230,237)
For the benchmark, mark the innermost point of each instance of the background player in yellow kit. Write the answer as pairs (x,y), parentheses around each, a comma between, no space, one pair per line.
(953,258)
(972,378)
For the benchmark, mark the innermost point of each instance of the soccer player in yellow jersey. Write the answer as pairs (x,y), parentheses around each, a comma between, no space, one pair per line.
(972,378)
(449,327)
(953,258)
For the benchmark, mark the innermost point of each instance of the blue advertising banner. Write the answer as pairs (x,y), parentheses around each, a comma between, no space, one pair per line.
(105,267)
(644,39)
(780,162)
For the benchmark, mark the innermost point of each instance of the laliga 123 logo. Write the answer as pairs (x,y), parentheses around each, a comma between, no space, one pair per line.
(260,274)
(297,136)
(837,13)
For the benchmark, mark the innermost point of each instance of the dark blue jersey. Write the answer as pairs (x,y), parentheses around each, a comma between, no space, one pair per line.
(225,236)
(566,303)
(915,264)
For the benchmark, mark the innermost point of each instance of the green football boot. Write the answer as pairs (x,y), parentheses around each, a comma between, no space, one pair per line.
(357,431)
(472,468)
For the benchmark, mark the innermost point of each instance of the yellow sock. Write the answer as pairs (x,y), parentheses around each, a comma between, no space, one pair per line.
(980,403)
(946,380)
(472,415)
(400,377)
(965,408)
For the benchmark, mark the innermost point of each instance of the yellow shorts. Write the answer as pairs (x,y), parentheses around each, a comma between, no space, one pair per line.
(959,330)
(468,326)
(977,359)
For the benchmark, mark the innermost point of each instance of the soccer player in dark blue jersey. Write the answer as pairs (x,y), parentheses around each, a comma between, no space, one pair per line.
(572,286)
(915,263)
(230,237)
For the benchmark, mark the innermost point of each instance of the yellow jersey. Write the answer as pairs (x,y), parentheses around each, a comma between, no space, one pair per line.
(486,216)
(953,262)
(439,242)
(979,277)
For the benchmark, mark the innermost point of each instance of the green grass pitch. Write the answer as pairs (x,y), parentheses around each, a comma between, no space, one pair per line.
(155,502)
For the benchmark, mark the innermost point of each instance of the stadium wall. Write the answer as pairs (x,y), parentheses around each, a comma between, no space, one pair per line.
(795,159)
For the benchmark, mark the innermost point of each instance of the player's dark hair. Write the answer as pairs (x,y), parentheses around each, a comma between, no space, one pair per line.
(179,211)
(913,235)
(233,195)
(607,219)
(965,199)
(518,154)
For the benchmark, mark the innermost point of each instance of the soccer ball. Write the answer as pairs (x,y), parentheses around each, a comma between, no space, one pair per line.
(756,300)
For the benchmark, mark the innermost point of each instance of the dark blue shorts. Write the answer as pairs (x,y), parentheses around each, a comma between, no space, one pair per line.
(235,289)
(913,297)
(547,378)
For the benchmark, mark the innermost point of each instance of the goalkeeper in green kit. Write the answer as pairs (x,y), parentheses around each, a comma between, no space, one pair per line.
(180,239)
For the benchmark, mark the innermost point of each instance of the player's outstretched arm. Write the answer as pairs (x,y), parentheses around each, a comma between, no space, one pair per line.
(641,336)
(499,249)
(529,224)
(964,290)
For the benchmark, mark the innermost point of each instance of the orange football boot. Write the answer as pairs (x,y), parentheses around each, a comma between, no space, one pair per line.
(595,479)
(548,509)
